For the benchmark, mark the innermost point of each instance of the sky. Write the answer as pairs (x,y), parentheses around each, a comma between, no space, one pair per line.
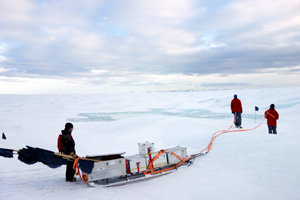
(95,46)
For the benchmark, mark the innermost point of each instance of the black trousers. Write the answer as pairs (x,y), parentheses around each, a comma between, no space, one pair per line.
(70,172)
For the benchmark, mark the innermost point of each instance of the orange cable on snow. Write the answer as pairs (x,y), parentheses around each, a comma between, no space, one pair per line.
(208,148)
(218,133)
(227,131)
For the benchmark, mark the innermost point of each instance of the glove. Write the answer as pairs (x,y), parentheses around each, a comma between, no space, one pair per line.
(73,154)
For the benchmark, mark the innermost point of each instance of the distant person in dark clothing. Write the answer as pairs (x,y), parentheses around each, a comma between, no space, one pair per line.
(237,109)
(69,149)
(272,116)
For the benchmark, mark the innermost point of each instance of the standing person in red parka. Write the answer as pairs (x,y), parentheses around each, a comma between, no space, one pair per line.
(237,109)
(272,116)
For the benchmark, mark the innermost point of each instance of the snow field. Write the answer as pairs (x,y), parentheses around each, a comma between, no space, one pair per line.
(240,165)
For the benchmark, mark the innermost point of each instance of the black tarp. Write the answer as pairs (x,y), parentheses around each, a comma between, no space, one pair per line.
(7,153)
(86,165)
(28,156)
(32,155)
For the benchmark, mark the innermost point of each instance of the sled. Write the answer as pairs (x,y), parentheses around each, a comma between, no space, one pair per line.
(111,169)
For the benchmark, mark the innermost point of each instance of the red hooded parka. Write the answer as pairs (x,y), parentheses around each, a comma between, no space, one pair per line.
(272,116)
(236,105)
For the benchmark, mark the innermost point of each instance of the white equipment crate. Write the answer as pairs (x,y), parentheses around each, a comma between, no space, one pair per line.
(143,149)
(161,161)
(107,169)
(135,162)
(172,159)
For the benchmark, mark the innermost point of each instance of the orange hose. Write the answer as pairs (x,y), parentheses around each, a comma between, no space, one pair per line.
(227,131)
(82,175)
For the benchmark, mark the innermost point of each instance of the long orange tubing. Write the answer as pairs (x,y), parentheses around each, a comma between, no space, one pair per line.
(208,148)
(218,133)
(227,131)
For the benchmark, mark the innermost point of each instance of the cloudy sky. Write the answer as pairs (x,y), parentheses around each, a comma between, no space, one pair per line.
(93,46)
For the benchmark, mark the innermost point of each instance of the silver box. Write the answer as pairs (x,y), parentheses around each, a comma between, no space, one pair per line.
(133,160)
(172,159)
(108,169)
(160,162)
(143,148)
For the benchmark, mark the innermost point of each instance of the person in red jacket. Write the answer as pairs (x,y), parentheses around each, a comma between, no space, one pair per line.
(69,149)
(237,109)
(272,116)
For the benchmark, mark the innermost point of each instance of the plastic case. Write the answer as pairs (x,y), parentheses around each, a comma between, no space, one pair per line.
(143,148)
(108,169)
(180,151)
(137,162)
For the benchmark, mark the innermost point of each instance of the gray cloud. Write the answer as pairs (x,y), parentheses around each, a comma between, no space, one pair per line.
(224,85)
(69,38)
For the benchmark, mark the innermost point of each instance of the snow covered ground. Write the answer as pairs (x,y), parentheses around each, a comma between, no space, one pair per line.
(241,165)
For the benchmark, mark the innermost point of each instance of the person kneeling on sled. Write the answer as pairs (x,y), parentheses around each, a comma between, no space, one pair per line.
(237,109)
(69,149)
(272,116)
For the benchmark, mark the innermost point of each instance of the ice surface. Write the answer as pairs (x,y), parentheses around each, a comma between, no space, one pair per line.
(241,165)
(190,113)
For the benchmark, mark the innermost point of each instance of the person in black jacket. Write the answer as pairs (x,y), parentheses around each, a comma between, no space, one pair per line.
(69,149)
